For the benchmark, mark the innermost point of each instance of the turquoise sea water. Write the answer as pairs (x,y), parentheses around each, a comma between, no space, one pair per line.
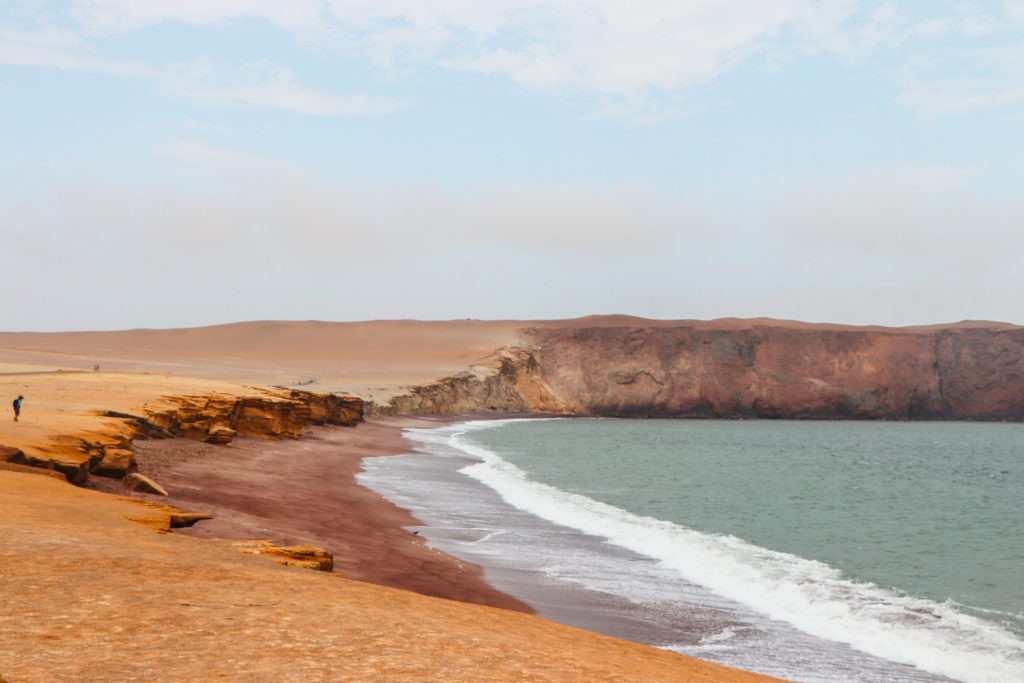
(901,541)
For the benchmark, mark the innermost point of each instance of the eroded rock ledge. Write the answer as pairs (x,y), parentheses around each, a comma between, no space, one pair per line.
(511,381)
(216,418)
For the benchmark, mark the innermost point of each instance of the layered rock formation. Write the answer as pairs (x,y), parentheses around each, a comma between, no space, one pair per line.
(761,370)
(222,416)
(512,382)
(73,469)
(306,556)
(213,417)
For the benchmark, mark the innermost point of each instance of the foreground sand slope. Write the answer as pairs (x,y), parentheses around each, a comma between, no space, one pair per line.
(92,592)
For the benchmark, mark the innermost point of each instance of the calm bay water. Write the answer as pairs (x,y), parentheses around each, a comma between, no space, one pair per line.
(810,550)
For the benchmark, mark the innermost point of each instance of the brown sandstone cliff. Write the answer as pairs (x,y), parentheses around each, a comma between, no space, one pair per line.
(766,371)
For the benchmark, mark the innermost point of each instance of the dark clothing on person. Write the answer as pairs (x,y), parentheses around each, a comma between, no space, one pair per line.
(17,407)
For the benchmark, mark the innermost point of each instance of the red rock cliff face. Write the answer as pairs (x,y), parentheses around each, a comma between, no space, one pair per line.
(784,372)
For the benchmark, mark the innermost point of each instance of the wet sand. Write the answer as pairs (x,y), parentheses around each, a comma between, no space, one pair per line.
(304,491)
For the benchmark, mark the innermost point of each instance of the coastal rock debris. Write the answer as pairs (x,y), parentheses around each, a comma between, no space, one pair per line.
(140,482)
(180,520)
(116,463)
(306,556)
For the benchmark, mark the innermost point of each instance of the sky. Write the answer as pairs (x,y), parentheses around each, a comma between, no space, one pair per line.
(174,163)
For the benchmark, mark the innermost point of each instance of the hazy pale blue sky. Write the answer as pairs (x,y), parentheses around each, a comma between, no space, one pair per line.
(172,163)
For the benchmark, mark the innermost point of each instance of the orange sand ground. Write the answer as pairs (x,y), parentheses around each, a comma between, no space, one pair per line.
(90,590)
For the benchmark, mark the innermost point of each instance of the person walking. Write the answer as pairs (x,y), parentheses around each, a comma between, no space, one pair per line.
(17,406)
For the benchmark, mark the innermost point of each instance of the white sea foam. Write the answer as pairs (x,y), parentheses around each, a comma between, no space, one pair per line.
(807,594)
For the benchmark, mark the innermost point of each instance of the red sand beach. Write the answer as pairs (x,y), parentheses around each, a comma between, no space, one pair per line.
(304,492)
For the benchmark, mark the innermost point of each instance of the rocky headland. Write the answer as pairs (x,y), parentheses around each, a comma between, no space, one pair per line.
(774,371)
(766,369)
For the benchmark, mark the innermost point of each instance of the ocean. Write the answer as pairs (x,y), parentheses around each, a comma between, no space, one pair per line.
(812,551)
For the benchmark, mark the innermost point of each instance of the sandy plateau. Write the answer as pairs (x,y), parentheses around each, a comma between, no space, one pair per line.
(95,586)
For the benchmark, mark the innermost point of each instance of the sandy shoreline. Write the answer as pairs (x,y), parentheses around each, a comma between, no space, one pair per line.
(304,491)
(560,601)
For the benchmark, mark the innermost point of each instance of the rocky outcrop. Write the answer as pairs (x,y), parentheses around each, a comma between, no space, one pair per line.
(265,418)
(980,374)
(785,372)
(13,467)
(759,371)
(220,436)
(116,463)
(214,418)
(14,459)
(11,454)
(510,382)
(201,417)
(74,471)
(143,484)
(330,409)
(181,520)
(306,556)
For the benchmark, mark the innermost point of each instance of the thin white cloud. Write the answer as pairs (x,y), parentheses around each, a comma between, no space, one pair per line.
(624,47)
(263,84)
(633,52)
(204,126)
(607,46)
(259,84)
(101,17)
(960,97)
(970,60)
(43,41)
(47,46)
(192,150)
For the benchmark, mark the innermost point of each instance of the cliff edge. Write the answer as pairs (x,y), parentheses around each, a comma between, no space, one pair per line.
(764,370)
